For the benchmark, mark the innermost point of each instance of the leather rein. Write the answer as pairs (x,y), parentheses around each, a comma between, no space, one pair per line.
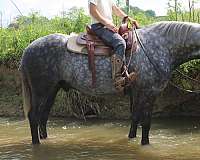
(133,31)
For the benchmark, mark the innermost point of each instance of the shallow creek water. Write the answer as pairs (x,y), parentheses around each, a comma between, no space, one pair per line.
(171,139)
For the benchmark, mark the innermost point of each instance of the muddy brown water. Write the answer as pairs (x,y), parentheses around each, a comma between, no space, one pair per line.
(171,139)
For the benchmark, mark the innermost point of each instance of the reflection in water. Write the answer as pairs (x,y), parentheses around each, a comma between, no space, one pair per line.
(100,140)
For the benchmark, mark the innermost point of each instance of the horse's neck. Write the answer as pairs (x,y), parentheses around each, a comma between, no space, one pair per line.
(186,50)
(183,43)
(169,46)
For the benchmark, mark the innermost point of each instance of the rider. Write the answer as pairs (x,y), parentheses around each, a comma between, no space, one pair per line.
(102,24)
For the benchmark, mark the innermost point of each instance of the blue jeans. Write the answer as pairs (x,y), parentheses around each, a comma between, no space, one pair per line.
(111,39)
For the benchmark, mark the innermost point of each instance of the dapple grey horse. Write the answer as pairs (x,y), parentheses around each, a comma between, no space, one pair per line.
(47,66)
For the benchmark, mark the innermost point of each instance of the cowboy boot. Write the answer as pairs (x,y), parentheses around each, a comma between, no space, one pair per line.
(119,80)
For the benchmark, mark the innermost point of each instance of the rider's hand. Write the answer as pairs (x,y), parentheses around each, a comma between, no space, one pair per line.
(133,22)
(111,27)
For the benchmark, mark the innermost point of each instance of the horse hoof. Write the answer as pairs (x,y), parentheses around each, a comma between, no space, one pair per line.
(145,142)
(35,142)
(43,136)
(131,136)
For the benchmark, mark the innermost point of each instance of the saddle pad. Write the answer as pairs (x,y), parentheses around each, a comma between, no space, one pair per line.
(82,49)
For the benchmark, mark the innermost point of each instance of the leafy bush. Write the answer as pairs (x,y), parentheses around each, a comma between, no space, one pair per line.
(14,40)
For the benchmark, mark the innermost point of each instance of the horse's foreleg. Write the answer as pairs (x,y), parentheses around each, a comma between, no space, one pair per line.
(141,113)
(134,124)
(145,119)
(146,125)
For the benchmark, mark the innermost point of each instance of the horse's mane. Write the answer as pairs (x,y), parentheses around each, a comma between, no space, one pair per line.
(180,31)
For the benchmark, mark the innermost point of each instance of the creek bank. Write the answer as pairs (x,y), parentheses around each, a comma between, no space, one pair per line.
(172,102)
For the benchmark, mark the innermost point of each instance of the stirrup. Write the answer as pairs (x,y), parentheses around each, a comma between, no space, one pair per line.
(123,82)
(131,77)
(120,81)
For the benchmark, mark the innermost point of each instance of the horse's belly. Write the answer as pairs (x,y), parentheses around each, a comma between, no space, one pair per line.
(95,89)
(83,77)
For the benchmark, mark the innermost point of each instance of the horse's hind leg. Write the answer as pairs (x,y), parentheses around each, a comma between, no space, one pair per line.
(34,119)
(45,112)
(39,111)
(43,123)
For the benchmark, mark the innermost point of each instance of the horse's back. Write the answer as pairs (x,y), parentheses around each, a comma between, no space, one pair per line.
(42,60)
(43,50)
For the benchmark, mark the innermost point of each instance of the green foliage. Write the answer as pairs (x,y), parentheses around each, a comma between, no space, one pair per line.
(14,40)
(120,3)
(177,12)
(77,19)
(190,69)
(150,13)
(143,17)
(191,66)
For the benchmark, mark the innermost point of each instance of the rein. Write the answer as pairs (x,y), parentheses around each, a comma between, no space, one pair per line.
(156,67)
(131,55)
(133,32)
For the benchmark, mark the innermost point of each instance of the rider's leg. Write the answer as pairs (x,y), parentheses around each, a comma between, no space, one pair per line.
(118,59)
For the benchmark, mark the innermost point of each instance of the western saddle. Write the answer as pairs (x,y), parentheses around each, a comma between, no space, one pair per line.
(89,43)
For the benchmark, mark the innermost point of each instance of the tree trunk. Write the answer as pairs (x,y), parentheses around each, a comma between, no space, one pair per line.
(127,6)
(176,9)
(190,10)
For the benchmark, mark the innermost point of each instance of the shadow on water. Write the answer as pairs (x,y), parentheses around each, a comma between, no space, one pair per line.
(101,140)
